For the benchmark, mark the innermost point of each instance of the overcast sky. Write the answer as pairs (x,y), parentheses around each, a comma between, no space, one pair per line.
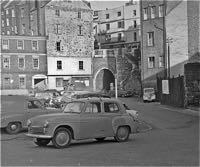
(103,4)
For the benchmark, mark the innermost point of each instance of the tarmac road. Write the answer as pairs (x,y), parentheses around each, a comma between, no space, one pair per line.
(169,138)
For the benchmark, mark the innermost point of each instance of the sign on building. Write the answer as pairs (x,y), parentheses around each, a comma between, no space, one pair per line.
(165,86)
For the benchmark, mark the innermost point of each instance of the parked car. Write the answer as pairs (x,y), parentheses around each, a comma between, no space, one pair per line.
(89,94)
(121,93)
(149,94)
(16,110)
(83,119)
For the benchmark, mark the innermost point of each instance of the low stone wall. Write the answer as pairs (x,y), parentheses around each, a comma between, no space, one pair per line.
(15,92)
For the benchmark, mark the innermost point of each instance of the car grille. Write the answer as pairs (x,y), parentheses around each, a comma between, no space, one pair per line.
(36,130)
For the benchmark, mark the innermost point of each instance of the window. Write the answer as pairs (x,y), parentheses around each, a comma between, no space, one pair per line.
(7,22)
(59,65)
(15,29)
(79,14)
(20,44)
(134,13)
(57,12)
(21,62)
(145,13)
(13,12)
(153,12)
(151,62)
(58,46)
(107,26)
(58,29)
(150,39)
(7,11)
(35,63)
(80,65)
(79,30)
(31,17)
(93,107)
(119,37)
(8,32)
(22,82)
(6,62)
(34,45)
(32,32)
(119,13)
(108,37)
(59,82)
(22,12)
(161,61)
(23,28)
(120,24)
(7,82)
(135,36)
(2,13)
(34,104)
(107,16)
(161,10)
(111,107)
(135,24)
(5,44)
(2,23)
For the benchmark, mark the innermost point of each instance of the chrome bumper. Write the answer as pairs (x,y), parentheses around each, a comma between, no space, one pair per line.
(38,136)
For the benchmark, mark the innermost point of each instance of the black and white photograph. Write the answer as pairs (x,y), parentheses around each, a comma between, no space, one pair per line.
(100,83)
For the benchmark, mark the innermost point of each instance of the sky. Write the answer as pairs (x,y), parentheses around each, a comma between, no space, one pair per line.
(103,4)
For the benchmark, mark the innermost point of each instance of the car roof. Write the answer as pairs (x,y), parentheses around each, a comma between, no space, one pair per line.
(97,99)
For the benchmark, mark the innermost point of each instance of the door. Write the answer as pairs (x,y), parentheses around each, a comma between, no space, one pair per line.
(92,124)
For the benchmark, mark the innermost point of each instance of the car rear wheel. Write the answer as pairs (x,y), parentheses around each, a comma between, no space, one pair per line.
(122,134)
(100,139)
(13,127)
(62,138)
(41,142)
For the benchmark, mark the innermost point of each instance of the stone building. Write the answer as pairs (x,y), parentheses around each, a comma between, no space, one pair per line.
(23,47)
(70,43)
(118,30)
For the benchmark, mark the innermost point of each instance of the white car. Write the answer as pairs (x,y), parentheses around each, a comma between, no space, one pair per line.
(149,94)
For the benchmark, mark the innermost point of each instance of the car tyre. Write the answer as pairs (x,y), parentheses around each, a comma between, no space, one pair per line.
(62,138)
(13,127)
(122,134)
(100,139)
(41,142)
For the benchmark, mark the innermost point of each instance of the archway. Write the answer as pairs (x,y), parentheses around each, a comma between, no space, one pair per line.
(103,80)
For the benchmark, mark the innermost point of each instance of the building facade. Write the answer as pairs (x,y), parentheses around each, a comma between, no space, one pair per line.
(23,47)
(70,43)
(119,29)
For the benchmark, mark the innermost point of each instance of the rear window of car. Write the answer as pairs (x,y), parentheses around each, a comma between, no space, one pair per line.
(110,107)
(149,90)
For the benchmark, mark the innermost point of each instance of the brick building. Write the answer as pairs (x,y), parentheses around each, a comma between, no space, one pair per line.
(70,43)
(119,29)
(23,47)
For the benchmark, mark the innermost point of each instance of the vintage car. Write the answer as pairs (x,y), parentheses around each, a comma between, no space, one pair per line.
(149,94)
(83,119)
(121,93)
(16,110)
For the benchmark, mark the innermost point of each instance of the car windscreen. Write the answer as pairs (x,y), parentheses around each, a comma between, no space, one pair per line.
(74,107)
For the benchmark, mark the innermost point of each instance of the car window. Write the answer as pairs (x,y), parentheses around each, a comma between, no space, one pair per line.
(111,107)
(74,107)
(93,107)
(34,104)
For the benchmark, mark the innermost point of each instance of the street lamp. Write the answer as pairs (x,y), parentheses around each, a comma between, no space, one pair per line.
(116,77)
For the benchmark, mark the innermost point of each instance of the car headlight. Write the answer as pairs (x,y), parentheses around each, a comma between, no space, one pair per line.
(46,124)
(28,122)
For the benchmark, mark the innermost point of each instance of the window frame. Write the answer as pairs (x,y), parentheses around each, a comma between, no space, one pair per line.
(111,112)
(151,66)
(145,13)
(81,65)
(107,26)
(20,57)
(8,58)
(161,10)
(58,46)
(38,62)
(7,22)
(91,103)
(60,84)
(57,12)
(107,16)
(20,48)
(5,47)
(79,15)
(119,13)
(59,66)
(32,42)
(134,12)
(13,13)
(58,29)
(80,30)
(23,86)
(149,42)
(153,12)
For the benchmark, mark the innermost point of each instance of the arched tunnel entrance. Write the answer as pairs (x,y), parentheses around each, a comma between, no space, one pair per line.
(104,79)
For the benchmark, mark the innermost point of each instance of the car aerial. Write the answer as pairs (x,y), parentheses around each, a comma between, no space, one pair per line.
(16,110)
(149,94)
(87,118)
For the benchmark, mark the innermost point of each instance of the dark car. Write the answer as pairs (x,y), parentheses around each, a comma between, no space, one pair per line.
(121,93)
(16,110)
(89,94)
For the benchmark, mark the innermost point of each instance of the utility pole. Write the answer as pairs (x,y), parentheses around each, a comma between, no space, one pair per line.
(164,39)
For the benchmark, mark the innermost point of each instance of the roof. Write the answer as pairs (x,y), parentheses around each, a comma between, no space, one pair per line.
(97,99)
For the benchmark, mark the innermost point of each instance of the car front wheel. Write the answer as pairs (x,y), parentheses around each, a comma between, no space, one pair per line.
(122,134)
(13,128)
(42,142)
(62,138)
